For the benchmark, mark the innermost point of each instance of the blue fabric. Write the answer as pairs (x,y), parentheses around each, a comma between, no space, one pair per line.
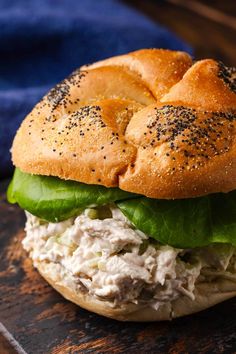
(42,41)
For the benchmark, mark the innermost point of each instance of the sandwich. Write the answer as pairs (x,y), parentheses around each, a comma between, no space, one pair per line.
(127,173)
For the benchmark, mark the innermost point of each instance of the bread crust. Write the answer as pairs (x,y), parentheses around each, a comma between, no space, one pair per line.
(207,294)
(147,122)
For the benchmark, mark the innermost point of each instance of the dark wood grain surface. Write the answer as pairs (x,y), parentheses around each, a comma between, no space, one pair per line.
(209,26)
(41,321)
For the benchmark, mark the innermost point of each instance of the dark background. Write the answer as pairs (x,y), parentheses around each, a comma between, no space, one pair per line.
(209,26)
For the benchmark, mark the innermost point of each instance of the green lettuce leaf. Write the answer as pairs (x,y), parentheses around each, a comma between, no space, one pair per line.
(185,223)
(54,199)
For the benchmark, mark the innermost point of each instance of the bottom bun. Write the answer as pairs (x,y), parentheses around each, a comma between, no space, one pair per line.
(207,294)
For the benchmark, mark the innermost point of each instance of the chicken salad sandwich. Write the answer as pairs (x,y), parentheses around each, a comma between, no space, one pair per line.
(126,171)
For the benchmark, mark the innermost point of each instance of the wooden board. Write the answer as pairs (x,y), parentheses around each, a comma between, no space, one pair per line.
(209,26)
(41,321)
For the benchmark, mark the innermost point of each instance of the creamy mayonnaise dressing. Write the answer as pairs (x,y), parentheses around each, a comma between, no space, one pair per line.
(113,261)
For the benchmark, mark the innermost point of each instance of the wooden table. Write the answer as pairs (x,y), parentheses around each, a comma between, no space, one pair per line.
(37,320)
(209,26)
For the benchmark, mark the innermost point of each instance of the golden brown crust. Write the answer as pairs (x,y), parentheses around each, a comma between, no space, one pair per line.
(144,121)
(207,294)
(182,152)
(208,85)
(159,69)
(87,146)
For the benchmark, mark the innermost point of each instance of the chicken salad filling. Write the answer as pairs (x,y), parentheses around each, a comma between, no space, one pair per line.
(101,253)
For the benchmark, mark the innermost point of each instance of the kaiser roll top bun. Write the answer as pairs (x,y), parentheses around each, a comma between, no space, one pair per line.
(148,122)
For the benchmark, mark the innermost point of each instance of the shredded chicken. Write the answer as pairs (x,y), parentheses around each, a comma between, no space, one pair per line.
(114,262)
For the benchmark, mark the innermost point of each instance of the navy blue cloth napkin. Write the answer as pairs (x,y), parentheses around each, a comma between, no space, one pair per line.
(42,41)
